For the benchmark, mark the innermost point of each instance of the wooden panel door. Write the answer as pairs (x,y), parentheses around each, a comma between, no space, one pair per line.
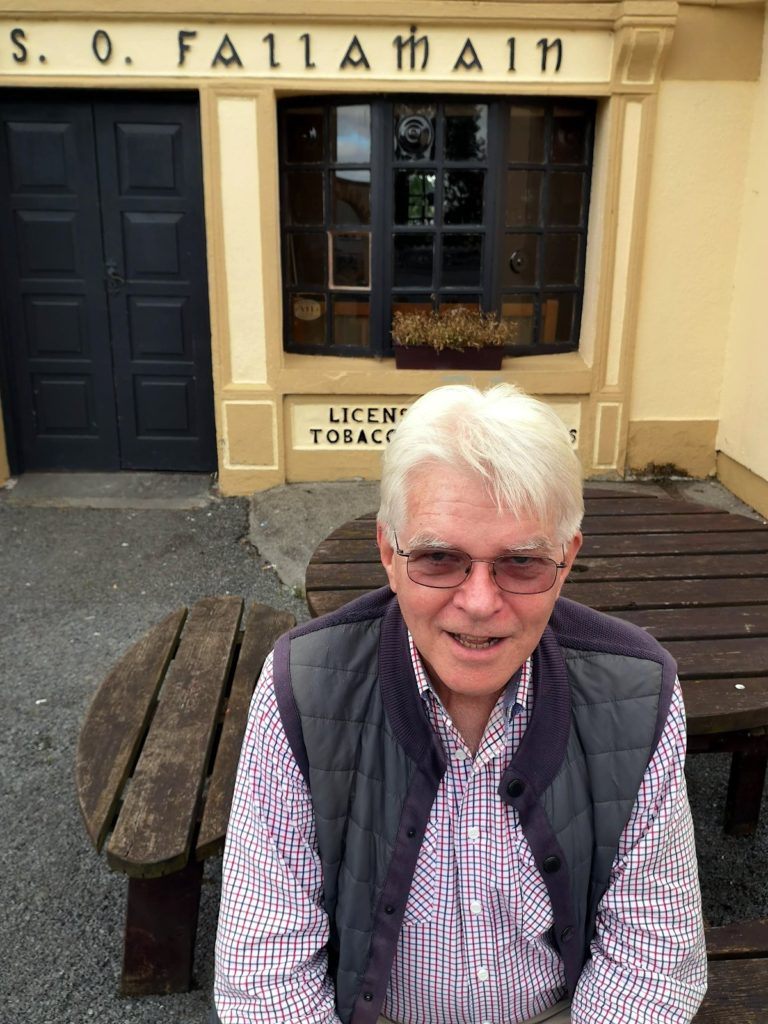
(55,325)
(104,285)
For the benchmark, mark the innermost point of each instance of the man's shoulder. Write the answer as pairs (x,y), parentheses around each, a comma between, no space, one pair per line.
(578,627)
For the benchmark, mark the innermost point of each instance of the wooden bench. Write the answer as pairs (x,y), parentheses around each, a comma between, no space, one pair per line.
(738,975)
(155,770)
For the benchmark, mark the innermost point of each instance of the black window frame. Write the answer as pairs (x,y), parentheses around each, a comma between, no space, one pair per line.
(384,164)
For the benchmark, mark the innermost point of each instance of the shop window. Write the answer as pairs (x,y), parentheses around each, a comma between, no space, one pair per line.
(414,203)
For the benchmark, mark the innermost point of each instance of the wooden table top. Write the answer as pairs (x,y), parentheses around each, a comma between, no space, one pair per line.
(694,576)
(168,721)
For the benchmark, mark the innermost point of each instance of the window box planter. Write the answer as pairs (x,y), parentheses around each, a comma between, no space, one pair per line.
(424,357)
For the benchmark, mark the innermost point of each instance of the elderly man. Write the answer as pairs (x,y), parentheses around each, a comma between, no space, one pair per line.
(461,798)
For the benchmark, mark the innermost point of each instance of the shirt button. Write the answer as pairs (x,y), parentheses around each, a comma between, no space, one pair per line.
(460,755)
(475,907)
(482,974)
(473,833)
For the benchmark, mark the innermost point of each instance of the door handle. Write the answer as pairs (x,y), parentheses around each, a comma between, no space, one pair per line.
(114,280)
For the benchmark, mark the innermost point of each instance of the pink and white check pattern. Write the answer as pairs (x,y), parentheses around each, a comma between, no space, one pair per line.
(473,948)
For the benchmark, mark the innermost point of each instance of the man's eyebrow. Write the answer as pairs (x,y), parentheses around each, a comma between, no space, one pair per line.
(537,545)
(430,540)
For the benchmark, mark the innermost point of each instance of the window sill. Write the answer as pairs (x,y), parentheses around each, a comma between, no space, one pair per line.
(564,373)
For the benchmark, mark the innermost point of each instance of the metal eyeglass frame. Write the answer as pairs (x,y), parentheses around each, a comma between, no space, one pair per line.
(489,561)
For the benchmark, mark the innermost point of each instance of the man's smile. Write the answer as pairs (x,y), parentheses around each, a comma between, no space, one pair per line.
(475,643)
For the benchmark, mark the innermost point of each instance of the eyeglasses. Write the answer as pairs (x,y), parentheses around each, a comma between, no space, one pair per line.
(444,568)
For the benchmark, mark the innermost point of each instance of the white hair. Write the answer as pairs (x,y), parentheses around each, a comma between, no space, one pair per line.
(517,446)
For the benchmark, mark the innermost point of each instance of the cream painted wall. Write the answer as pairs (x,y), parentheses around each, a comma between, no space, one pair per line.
(698,167)
(743,433)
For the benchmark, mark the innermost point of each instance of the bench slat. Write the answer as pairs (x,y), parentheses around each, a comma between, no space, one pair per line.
(743,939)
(154,832)
(737,993)
(116,722)
(625,596)
(263,626)
(716,706)
(701,623)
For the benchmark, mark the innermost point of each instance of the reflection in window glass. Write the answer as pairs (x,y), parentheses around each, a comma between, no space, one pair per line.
(306,259)
(569,136)
(415,131)
(557,318)
(412,303)
(471,302)
(520,260)
(561,259)
(523,197)
(414,197)
(413,260)
(352,134)
(466,131)
(566,191)
(304,136)
(463,197)
(351,261)
(520,311)
(351,321)
(351,197)
(308,319)
(525,140)
(304,197)
(462,260)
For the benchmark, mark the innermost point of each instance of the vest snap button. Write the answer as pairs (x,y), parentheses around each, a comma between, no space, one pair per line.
(389,909)
(551,864)
(516,787)
(411,833)
(367,996)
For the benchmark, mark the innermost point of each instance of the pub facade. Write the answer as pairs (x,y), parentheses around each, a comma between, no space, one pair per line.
(208,220)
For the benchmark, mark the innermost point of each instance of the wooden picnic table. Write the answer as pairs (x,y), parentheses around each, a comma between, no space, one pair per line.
(155,770)
(694,576)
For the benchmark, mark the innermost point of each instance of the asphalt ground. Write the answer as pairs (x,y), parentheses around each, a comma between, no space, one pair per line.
(80,584)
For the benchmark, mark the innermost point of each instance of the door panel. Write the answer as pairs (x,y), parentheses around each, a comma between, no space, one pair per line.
(104,285)
(154,231)
(53,296)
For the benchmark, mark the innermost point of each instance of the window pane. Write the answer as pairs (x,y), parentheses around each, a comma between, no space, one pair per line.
(351,197)
(462,260)
(351,134)
(351,261)
(557,318)
(525,143)
(566,193)
(351,321)
(523,198)
(414,259)
(308,319)
(471,302)
(561,259)
(306,259)
(463,197)
(304,136)
(304,197)
(520,311)
(466,132)
(569,136)
(415,131)
(414,197)
(412,303)
(519,260)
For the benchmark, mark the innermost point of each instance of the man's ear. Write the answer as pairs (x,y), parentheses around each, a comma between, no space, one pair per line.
(387,555)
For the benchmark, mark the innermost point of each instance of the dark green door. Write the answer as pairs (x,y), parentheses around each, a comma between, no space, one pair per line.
(105,329)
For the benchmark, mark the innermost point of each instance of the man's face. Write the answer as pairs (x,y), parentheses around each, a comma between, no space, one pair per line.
(474,637)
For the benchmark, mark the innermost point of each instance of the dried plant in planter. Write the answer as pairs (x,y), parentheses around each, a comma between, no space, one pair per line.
(456,328)
(454,338)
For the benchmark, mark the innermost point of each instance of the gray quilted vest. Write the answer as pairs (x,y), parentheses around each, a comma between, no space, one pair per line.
(351,710)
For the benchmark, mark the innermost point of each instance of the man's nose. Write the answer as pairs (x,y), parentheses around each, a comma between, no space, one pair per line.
(479,593)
